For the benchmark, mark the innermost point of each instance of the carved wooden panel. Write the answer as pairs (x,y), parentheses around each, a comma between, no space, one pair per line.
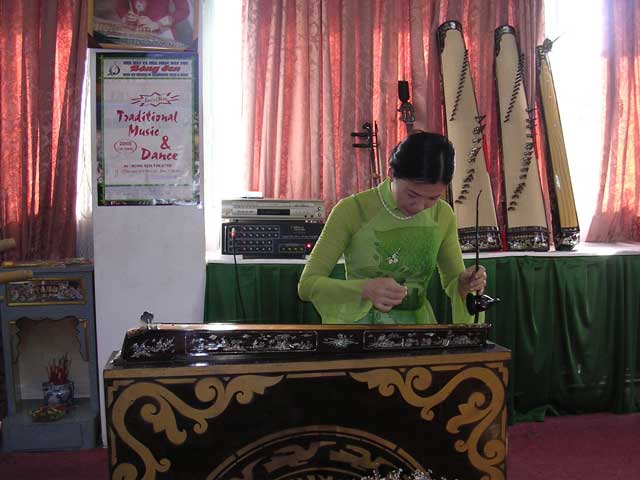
(289,417)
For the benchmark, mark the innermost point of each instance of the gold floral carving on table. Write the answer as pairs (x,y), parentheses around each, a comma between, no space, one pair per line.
(327,452)
(477,410)
(160,412)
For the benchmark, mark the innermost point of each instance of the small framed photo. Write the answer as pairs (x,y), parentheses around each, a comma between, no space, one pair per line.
(144,24)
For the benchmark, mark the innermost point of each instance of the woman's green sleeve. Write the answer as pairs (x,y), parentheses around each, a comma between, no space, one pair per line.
(337,301)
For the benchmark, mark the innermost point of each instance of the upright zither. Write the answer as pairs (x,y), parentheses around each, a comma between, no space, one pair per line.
(566,230)
(525,218)
(465,128)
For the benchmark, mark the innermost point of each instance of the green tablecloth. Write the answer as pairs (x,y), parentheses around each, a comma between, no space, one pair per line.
(570,322)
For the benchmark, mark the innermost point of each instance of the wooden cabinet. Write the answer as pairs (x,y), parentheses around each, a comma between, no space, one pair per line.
(42,319)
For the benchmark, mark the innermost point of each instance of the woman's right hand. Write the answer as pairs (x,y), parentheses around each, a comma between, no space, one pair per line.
(384,293)
(146,22)
(131,18)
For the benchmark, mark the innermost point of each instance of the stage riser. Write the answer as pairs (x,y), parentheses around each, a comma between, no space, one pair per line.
(561,314)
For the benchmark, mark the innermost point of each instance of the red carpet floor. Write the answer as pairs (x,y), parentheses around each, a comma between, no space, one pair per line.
(581,447)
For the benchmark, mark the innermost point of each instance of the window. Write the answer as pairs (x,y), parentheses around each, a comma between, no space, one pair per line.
(576,64)
(220,134)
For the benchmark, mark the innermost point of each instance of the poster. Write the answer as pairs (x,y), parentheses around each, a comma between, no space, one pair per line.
(144,24)
(147,129)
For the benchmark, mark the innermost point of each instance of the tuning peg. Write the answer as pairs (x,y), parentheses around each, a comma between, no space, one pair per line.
(147,319)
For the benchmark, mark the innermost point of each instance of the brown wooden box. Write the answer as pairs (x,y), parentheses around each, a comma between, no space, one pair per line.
(310,416)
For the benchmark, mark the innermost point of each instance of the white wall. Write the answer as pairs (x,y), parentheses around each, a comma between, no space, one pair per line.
(146,258)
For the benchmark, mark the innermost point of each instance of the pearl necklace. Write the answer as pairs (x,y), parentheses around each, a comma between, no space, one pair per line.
(391,212)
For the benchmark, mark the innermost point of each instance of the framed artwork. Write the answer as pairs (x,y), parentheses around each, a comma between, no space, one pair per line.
(147,128)
(144,24)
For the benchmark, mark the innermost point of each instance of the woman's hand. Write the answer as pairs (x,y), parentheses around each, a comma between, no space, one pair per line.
(131,18)
(384,293)
(147,23)
(471,281)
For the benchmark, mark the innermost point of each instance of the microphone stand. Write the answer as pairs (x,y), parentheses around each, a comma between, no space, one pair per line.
(477,315)
(407,112)
(478,303)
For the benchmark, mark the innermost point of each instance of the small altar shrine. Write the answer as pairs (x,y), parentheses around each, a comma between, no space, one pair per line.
(45,317)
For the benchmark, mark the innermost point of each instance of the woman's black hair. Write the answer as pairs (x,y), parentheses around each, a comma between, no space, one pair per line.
(423,157)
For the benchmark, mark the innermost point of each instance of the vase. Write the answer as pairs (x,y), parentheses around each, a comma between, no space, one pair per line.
(61,394)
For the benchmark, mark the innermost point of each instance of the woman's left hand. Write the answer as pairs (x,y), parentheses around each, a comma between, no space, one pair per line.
(146,22)
(471,281)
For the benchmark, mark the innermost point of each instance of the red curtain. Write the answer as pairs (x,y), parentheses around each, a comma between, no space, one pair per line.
(617,216)
(42,53)
(315,71)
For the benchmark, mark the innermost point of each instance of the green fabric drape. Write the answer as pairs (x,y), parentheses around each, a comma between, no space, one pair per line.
(570,322)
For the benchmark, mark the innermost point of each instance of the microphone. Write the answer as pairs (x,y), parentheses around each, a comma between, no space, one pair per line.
(478,303)
(407,112)
(403,91)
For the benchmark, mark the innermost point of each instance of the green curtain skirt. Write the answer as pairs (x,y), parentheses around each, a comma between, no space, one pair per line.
(570,322)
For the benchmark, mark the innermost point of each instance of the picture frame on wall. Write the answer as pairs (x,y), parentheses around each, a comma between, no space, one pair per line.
(147,128)
(144,24)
